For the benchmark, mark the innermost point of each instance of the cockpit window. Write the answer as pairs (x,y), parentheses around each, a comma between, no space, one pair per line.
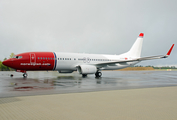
(17,57)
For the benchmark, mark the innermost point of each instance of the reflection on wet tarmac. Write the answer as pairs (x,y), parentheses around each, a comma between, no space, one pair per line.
(52,82)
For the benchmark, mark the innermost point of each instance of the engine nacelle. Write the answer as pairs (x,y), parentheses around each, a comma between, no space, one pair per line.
(87,69)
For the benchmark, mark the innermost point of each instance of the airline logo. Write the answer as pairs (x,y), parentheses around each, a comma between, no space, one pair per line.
(34,64)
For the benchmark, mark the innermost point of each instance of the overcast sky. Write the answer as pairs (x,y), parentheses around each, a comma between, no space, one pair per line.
(89,26)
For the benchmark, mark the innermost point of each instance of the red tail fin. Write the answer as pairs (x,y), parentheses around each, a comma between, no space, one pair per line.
(141,34)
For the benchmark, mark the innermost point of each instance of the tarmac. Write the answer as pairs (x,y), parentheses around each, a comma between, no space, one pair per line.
(138,98)
(133,104)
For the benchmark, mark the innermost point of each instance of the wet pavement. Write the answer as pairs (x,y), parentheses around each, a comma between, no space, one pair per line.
(42,83)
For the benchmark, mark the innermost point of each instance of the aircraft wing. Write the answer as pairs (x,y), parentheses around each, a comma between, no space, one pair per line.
(137,59)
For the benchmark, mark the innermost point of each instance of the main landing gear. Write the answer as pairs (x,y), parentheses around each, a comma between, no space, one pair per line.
(24,73)
(84,75)
(98,74)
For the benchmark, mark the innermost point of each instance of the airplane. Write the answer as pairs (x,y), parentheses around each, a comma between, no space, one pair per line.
(83,63)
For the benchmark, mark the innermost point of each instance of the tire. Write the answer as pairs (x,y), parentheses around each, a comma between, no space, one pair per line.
(98,74)
(84,75)
(11,75)
(25,75)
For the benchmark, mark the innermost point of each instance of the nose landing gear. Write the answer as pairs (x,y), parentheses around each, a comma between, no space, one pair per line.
(25,75)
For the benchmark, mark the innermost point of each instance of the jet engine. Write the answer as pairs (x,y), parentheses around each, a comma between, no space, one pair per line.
(87,69)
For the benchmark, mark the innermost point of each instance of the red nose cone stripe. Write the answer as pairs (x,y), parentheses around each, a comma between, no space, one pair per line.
(141,34)
(33,61)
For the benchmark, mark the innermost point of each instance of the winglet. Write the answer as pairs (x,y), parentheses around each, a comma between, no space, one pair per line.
(141,34)
(170,50)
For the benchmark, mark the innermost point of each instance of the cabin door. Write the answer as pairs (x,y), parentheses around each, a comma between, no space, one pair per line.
(32,58)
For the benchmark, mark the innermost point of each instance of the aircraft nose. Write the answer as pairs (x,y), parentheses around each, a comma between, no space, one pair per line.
(6,63)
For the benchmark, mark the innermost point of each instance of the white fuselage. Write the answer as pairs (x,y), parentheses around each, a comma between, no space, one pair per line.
(69,61)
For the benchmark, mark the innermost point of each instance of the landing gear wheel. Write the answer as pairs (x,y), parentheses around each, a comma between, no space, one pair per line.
(84,75)
(25,75)
(98,74)
(11,75)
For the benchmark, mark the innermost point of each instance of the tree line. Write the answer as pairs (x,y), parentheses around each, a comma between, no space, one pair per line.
(5,68)
(162,67)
